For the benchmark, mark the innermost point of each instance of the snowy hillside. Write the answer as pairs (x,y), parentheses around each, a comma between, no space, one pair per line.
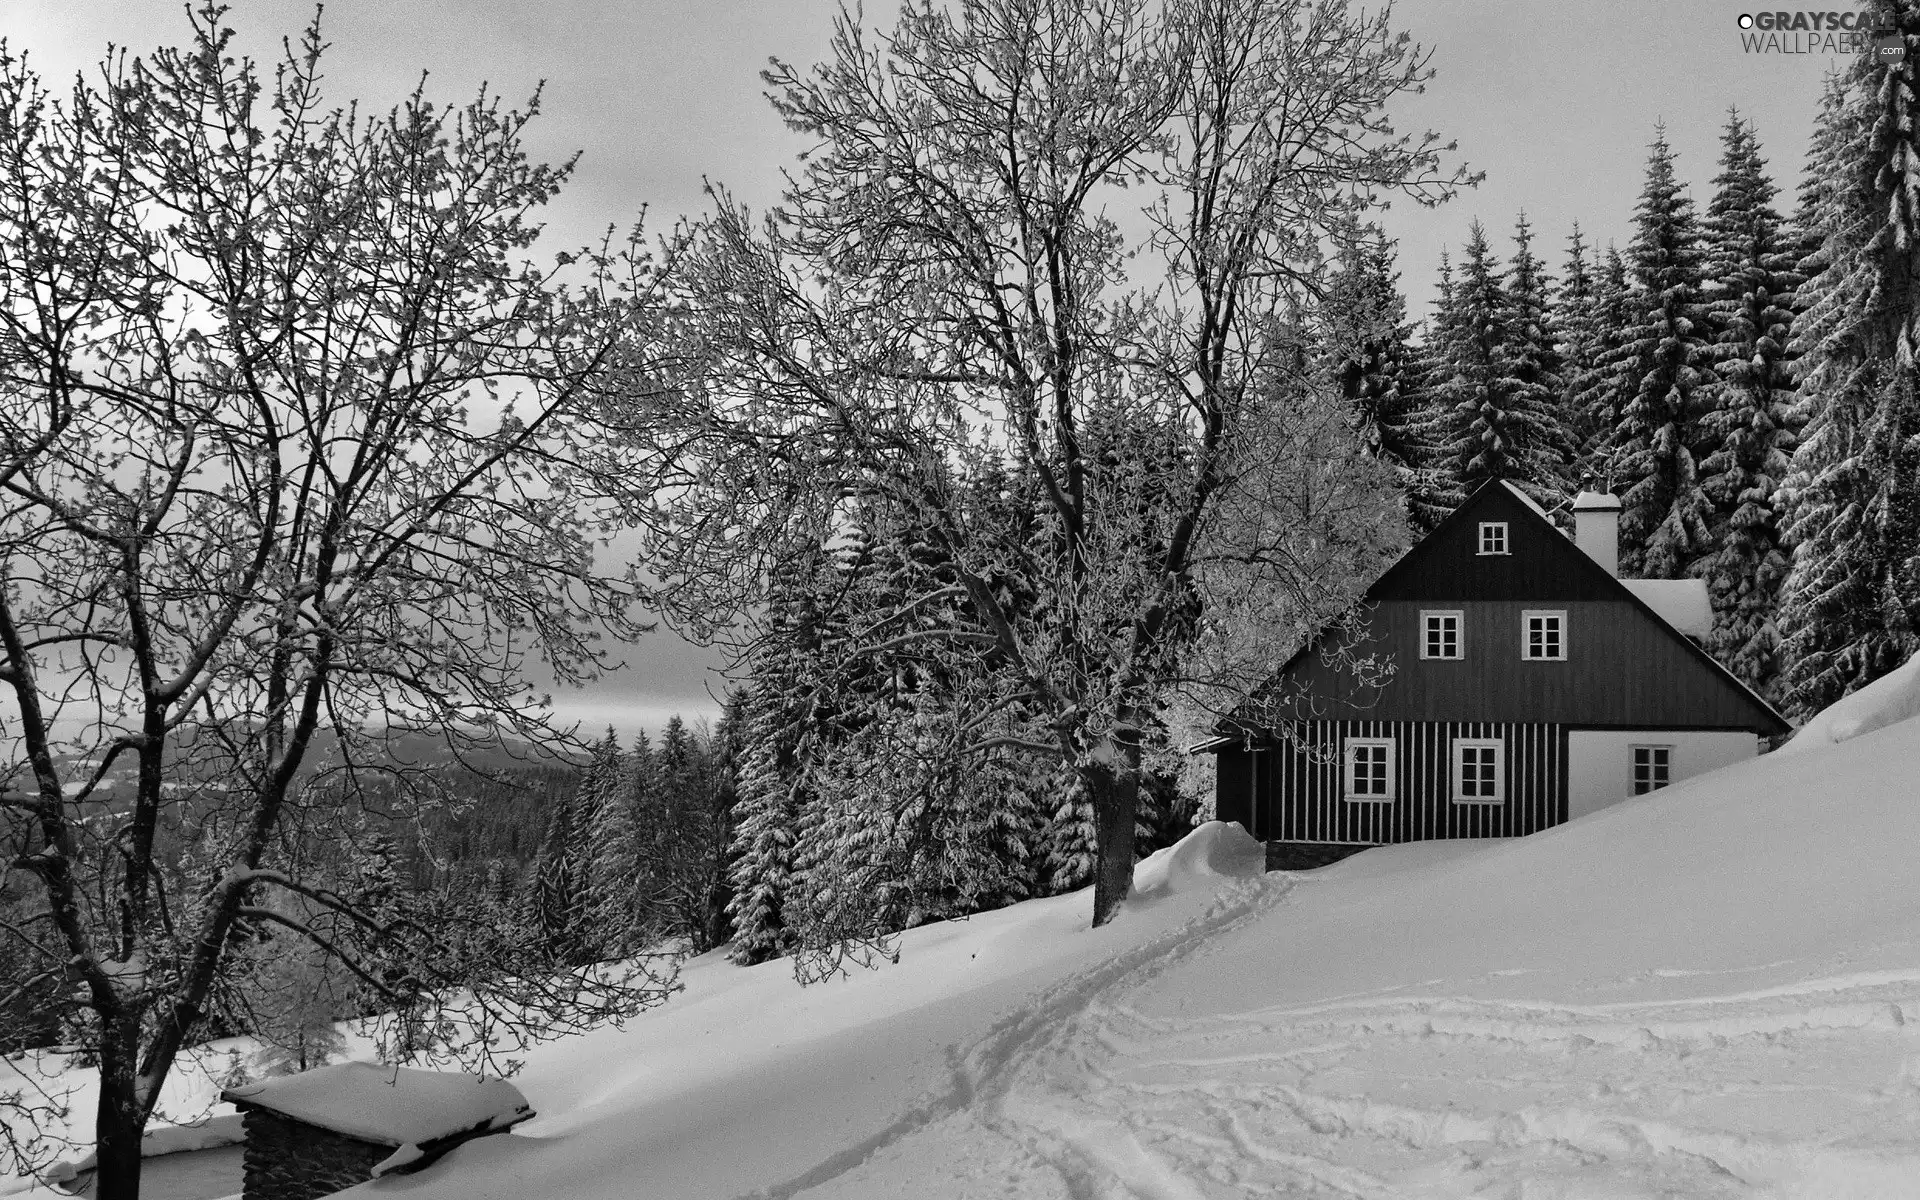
(1711,991)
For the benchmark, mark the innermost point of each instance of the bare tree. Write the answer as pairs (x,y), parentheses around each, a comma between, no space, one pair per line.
(955,274)
(299,454)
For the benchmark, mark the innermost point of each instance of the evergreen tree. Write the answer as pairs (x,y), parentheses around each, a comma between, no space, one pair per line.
(1534,361)
(1751,276)
(1664,516)
(1577,325)
(1605,381)
(1851,600)
(1494,424)
(557,900)
(779,716)
(1373,364)
(612,852)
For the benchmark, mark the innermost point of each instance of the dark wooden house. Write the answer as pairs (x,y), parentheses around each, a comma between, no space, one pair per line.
(325,1130)
(1528,685)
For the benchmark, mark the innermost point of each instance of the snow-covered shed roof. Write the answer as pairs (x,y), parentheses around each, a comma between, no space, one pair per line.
(1681,603)
(389,1106)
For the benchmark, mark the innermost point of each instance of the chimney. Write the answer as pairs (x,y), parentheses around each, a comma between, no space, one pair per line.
(1596,528)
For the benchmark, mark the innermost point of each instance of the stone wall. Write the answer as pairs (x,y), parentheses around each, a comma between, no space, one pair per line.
(291,1160)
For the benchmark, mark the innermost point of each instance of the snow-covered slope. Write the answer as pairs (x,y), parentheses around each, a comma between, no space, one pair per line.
(1710,991)
(1893,697)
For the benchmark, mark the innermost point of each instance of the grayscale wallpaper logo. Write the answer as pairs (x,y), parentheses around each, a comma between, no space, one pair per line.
(1819,33)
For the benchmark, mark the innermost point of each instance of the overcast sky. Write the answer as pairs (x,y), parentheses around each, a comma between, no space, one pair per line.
(1555,101)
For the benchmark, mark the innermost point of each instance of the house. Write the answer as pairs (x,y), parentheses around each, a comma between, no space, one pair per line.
(1529,685)
(325,1130)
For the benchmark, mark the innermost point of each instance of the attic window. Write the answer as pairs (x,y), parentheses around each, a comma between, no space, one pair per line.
(1493,537)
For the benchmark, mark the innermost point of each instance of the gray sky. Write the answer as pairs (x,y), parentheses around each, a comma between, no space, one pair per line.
(1555,101)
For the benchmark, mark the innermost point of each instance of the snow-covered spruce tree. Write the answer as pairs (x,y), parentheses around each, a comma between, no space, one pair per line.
(688,819)
(1580,340)
(1665,518)
(762,863)
(611,852)
(1535,363)
(778,710)
(1824,176)
(1367,340)
(1429,419)
(1606,382)
(557,908)
(1751,278)
(1852,500)
(1492,424)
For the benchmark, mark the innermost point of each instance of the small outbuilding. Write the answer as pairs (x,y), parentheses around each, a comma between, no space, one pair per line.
(325,1130)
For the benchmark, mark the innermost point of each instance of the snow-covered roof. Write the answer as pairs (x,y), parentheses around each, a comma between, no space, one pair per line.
(1681,603)
(389,1106)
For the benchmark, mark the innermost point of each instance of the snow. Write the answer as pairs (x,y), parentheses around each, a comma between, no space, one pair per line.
(1893,697)
(1681,603)
(392,1106)
(1711,991)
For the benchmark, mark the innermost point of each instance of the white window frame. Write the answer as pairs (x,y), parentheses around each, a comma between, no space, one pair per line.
(1663,768)
(1457,770)
(1494,538)
(1348,759)
(1459,632)
(1527,617)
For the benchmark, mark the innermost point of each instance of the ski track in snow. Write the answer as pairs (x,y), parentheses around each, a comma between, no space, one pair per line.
(1811,1089)
(1765,1094)
(982,1071)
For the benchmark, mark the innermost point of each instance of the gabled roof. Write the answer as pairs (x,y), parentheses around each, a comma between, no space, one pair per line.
(1597,577)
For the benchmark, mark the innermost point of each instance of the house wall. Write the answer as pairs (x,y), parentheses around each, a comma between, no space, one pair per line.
(1293,789)
(291,1160)
(1622,668)
(1600,762)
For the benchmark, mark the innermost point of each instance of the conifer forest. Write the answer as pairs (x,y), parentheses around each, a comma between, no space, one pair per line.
(1072,385)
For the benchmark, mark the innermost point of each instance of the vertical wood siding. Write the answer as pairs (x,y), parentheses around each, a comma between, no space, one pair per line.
(1297,785)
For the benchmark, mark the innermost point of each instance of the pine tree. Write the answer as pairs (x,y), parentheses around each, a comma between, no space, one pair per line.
(1664,516)
(1428,420)
(1606,381)
(1494,424)
(612,852)
(1577,325)
(1373,365)
(1852,598)
(780,716)
(557,899)
(1751,277)
(1534,362)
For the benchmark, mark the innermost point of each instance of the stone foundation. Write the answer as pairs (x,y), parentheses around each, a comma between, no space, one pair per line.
(1305,856)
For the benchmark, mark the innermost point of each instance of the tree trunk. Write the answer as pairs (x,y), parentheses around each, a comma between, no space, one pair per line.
(1113,779)
(120,1120)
